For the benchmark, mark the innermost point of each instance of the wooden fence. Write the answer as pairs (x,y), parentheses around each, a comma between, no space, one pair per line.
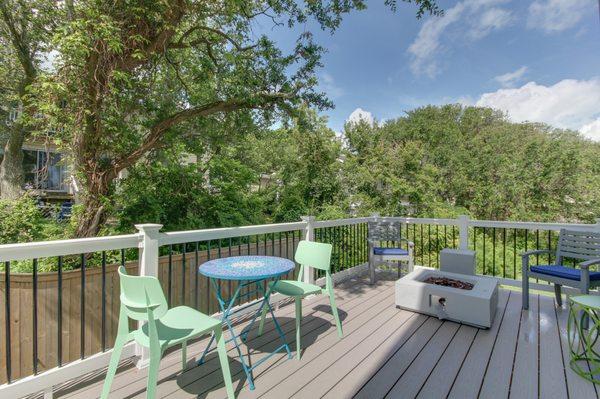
(186,287)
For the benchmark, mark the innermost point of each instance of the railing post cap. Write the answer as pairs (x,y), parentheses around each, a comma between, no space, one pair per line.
(308,218)
(148,227)
(463,216)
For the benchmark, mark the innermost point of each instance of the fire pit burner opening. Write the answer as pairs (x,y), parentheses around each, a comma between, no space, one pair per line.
(448,282)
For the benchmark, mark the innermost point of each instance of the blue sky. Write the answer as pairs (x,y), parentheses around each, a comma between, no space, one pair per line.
(537,60)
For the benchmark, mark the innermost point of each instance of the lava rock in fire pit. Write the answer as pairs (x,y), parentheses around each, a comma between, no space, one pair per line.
(449,282)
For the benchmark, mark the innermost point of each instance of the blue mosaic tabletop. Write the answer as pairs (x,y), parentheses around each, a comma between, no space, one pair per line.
(246,267)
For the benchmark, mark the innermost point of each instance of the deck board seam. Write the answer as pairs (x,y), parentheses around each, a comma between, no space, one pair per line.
(438,360)
(512,370)
(391,357)
(374,349)
(462,363)
(358,343)
(562,354)
(275,338)
(414,358)
(352,332)
(487,366)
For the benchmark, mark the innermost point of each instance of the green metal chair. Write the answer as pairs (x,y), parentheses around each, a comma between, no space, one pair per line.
(313,254)
(142,299)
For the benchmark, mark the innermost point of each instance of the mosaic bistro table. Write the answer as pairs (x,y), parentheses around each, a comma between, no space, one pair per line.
(249,271)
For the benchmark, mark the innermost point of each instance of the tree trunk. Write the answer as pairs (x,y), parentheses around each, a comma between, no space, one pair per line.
(94,213)
(11,168)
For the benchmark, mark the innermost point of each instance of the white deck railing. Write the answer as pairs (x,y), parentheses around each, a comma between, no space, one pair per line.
(149,239)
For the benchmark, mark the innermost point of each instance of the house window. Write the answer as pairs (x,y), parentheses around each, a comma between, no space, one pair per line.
(43,170)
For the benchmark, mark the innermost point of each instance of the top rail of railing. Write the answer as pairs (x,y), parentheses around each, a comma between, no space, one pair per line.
(24,251)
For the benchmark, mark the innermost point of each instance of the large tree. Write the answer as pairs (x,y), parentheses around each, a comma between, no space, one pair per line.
(133,75)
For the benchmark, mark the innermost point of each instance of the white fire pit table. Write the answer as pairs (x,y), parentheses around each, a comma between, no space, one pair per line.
(469,299)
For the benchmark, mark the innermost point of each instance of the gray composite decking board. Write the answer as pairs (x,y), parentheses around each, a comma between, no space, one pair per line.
(525,381)
(274,370)
(471,374)
(201,379)
(576,386)
(442,376)
(386,351)
(552,373)
(134,379)
(413,378)
(385,378)
(291,374)
(360,372)
(496,382)
(322,372)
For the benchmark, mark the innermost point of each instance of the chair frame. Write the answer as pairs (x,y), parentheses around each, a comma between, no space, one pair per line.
(576,244)
(151,311)
(385,230)
(328,290)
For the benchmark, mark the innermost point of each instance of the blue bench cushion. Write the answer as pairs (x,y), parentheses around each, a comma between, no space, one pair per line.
(389,251)
(563,272)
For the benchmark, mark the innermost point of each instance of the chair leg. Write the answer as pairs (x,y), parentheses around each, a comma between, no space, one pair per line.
(525,285)
(224,360)
(183,355)
(155,355)
(371,271)
(336,316)
(263,315)
(298,301)
(112,367)
(558,294)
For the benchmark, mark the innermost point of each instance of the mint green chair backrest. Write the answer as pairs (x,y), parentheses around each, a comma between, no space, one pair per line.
(140,293)
(314,254)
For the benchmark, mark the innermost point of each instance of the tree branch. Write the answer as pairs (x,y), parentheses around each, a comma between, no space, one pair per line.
(158,131)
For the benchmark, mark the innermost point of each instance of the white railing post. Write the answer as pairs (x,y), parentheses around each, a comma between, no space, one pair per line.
(463,229)
(309,235)
(597,225)
(148,248)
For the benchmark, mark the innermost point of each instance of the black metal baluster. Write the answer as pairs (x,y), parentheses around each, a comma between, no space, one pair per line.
(265,243)
(7,320)
(422,258)
(453,237)
(170,277)
(429,245)
(437,241)
(483,240)
(272,244)
(445,236)
(103,301)
(83,264)
(504,252)
(208,256)
(59,311)
(196,283)
(537,246)
(35,317)
(549,247)
(183,276)
(123,257)
(515,254)
(493,251)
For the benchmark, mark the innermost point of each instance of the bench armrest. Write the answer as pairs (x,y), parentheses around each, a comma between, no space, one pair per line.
(588,263)
(409,243)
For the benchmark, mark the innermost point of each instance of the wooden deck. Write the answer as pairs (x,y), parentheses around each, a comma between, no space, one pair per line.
(385,352)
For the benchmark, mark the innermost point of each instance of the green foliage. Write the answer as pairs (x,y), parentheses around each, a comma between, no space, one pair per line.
(20,221)
(439,160)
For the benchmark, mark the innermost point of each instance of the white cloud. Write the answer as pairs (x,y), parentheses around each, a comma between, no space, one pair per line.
(511,78)
(478,19)
(558,15)
(330,87)
(494,18)
(592,130)
(360,114)
(570,103)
